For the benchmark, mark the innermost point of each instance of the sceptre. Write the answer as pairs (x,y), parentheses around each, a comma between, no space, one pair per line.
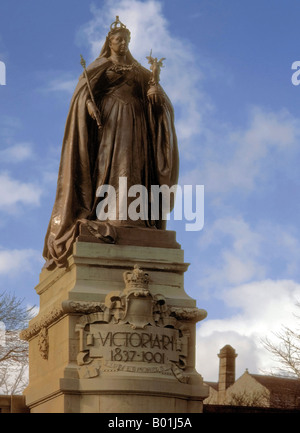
(83,64)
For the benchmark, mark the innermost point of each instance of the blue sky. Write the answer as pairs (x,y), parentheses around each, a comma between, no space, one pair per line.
(228,74)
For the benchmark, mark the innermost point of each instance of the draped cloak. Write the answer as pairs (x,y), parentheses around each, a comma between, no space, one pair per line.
(138,141)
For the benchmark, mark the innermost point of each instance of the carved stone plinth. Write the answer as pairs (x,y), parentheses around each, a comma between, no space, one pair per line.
(115,333)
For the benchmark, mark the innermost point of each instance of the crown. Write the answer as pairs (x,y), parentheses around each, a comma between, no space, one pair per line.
(136,278)
(117,25)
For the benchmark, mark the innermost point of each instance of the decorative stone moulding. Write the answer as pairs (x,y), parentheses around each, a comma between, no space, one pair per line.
(131,331)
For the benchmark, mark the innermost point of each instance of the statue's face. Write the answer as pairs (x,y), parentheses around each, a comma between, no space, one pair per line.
(119,42)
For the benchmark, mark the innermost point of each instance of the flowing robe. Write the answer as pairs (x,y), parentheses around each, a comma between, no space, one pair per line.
(137,141)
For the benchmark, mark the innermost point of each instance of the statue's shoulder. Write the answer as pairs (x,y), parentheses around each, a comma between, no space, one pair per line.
(144,71)
(100,62)
(94,71)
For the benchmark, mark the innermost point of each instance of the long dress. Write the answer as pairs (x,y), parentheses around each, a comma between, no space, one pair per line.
(137,142)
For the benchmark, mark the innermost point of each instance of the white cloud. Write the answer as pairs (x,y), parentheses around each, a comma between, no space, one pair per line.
(239,252)
(62,85)
(238,256)
(263,308)
(239,158)
(13,192)
(16,153)
(18,260)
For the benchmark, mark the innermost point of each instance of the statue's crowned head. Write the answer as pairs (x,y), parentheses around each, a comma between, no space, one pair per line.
(118,26)
(115,27)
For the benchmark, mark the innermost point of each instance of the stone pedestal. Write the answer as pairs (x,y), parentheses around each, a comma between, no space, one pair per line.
(116,331)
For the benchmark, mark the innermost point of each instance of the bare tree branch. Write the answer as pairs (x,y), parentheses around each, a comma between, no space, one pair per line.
(286,350)
(13,351)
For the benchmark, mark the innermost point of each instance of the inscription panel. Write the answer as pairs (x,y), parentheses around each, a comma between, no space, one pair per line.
(121,343)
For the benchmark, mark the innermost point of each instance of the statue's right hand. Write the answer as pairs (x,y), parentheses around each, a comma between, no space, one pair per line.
(93,112)
(92,109)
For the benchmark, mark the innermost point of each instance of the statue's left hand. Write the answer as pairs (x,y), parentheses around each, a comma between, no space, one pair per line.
(155,95)
(156,99)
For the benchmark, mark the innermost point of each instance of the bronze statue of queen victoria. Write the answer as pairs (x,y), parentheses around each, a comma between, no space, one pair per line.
(126,130)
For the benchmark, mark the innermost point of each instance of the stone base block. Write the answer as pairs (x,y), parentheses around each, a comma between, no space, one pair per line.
(115,333)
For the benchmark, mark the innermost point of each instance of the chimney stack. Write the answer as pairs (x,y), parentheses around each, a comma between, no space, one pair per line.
(227,357)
